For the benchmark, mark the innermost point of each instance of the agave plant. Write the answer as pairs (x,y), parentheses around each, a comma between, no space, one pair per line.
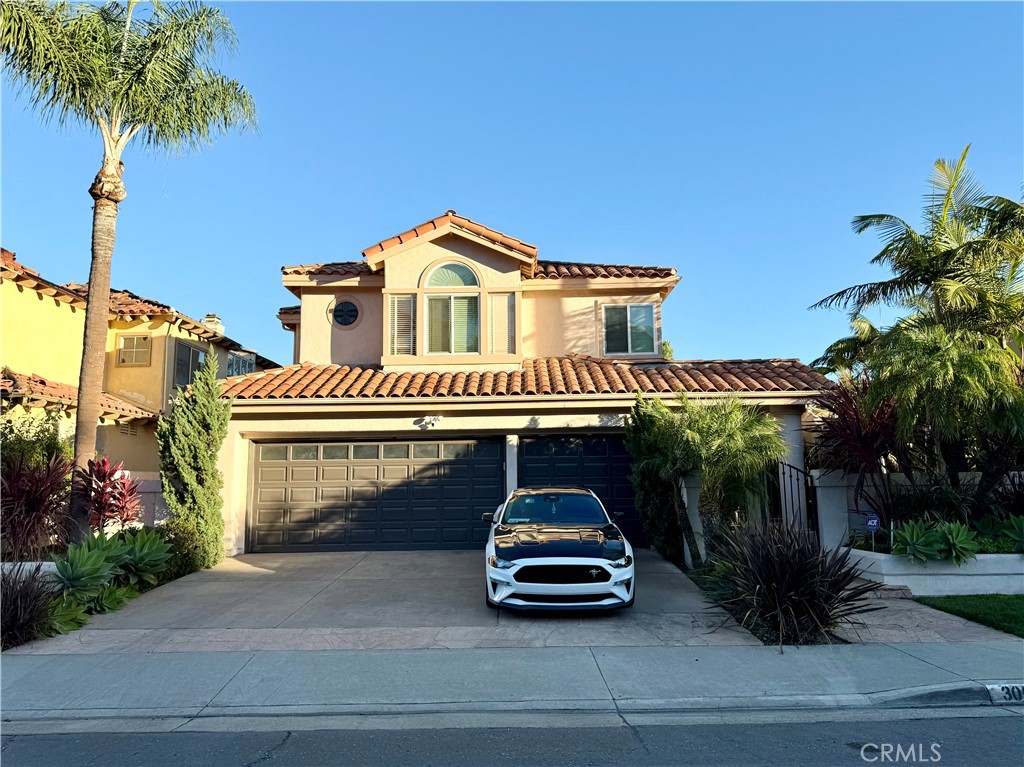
(83,573)
(147,555)
(917,540)
(957,542)
(1013,528)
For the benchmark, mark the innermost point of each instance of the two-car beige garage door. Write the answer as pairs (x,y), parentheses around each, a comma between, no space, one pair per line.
(337,496)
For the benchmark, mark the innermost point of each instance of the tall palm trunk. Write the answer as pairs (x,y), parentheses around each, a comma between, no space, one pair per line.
(107,191)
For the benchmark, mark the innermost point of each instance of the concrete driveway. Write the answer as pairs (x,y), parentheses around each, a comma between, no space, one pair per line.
(383,600)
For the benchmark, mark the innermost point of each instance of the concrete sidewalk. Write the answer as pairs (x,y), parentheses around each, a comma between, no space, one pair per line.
(115,692)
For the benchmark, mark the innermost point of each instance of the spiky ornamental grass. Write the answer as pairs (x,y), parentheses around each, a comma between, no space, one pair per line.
(190,439)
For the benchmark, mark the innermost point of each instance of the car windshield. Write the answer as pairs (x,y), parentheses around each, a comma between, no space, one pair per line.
(554,509)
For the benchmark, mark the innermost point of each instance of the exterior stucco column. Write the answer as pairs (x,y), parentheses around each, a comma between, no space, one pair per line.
(511,462)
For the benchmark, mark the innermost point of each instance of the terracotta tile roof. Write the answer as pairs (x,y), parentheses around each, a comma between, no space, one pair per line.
(127,304)
(538,377)
(542,270)
(18,386)
(450,217)
(560,270)
(290,309)
(12,269)
(340,268)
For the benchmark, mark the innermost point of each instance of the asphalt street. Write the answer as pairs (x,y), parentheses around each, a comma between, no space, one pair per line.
(969,741)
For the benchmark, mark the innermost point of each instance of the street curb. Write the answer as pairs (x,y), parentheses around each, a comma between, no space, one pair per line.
(38,721)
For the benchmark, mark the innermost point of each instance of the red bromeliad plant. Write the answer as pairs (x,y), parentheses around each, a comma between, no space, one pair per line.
(111,495)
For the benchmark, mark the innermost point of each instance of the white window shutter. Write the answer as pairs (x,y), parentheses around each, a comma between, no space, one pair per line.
(403,325)
(503,324)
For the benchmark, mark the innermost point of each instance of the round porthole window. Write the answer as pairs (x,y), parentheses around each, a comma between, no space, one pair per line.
(346,313)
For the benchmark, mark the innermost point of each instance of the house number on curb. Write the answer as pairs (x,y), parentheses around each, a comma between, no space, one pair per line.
(1007,694)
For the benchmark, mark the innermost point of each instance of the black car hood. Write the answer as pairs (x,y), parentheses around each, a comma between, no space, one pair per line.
(514,542)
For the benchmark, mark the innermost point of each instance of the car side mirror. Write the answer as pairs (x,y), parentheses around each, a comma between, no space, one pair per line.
(488,516)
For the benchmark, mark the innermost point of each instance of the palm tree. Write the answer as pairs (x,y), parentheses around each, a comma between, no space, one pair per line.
(964,270)
(127,76)
(732,445)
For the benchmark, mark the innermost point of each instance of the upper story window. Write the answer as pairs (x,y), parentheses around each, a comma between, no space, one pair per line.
(402,323)
(629,329)
(453,275)
(133,351)
(240,363)
(453,319)
(187,361)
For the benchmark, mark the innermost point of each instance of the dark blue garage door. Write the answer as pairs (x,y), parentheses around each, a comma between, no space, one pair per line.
(598,462)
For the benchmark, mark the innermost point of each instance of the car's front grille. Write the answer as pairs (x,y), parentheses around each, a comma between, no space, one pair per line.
(562,599)
(562,574)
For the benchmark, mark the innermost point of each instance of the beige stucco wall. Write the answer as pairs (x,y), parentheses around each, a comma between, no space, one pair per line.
(24,314)
(151,386)
(139,453)
(325,419)
(556,323)
(321,340)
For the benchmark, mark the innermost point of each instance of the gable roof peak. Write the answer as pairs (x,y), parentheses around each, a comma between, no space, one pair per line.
(453,221)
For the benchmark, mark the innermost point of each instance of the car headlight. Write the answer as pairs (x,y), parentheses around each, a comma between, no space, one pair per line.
(501,564)
(624,562)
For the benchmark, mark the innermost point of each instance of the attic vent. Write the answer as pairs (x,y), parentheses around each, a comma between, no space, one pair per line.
(129,430)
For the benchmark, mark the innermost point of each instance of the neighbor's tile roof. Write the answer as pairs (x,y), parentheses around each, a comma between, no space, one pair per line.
(19,386)
(542,270)
(560,270)
(538,377)
(452,218)
(124,303)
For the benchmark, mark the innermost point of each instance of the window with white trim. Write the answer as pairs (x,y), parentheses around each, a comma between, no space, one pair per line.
(503,323)
(133,351)
(187,361)
(402,323)
(629,329)
(453,320)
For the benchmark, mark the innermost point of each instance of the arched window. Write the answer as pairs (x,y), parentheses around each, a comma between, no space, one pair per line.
(452,276)
(453,319)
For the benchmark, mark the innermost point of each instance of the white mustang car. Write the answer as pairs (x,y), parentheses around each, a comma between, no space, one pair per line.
(557,549)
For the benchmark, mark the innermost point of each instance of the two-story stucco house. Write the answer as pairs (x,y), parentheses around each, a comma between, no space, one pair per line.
(447,367)
(152,349)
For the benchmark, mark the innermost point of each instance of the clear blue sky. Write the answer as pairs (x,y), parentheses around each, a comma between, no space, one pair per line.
(733,141)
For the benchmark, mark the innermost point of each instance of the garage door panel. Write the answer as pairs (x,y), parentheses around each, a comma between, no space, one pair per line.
(364,515)
(397,472)
(302,516)
(363,536)
(303,474)
(302,494)
(273,474)
(329,494)
(271,495)
(270,516)
(363,493)
(414,494)
(269,537)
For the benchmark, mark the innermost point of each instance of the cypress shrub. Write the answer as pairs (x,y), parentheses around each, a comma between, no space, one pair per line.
(190,439)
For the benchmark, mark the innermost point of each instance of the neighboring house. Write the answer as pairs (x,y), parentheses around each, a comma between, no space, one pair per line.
(151,350)
(446,368)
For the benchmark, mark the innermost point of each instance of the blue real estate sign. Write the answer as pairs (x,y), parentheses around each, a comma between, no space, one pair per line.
(872,522)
